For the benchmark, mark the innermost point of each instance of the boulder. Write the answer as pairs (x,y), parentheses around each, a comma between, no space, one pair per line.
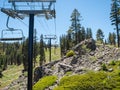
(110,70)
(74,61)
(38,73)
(65,67)
(90,44)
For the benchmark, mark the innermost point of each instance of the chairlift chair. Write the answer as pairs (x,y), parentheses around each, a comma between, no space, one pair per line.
(12,31)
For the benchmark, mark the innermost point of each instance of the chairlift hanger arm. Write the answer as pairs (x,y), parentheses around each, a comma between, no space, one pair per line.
(8,25)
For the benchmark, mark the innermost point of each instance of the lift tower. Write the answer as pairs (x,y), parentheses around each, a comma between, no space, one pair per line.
(50,37)
(30,8)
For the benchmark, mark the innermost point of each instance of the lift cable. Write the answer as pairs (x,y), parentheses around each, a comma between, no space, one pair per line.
(47,26)
(23,23)
(42,25)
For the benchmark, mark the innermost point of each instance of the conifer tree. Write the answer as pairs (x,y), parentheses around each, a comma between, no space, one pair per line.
(112,38)
(42,52)
(75,26)
(115,17)
(100,35)
(88,33)
(25,54)
(69,39)
(35,47)
(83,34)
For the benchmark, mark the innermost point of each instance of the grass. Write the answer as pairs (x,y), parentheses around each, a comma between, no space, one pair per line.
(55,55)
(13,72)
(9,75)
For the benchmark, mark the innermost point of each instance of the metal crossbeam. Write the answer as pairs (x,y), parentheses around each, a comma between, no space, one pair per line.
(32,0)
(15,13)
(50,37)
(11,13)
(35,11)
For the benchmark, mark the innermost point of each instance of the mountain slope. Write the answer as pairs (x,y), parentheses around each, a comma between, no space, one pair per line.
(86,59)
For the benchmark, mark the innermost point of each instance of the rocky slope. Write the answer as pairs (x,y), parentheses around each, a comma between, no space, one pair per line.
(88,56)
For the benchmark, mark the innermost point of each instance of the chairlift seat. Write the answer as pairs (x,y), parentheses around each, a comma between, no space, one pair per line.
(11,39)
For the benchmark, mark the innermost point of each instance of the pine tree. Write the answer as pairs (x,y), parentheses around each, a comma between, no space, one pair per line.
(75,26)
(42,52)
(112,38)
(69,39)
(115,17)
(83,34)
(25,54)
(100,35)
(35,47)
(88,33)
(63,45)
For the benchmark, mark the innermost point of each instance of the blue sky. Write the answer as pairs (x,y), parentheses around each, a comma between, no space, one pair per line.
(95,15)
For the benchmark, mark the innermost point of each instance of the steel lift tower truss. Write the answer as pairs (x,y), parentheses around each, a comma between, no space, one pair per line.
(31,8)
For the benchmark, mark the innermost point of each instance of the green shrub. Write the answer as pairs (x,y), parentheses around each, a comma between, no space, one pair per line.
(112,63)
(45,82)
(90,81)
(68,73)
(119,73)
(1,74)
(104,67)
(85,49)
(118,63)
(70,53)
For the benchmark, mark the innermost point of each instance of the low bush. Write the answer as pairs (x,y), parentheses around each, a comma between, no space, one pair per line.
(70,53)
(104,67)
(112,63)
(68,73)
(45,82)
(90,81)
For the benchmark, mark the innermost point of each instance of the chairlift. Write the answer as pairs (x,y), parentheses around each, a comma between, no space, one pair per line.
(12,32)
